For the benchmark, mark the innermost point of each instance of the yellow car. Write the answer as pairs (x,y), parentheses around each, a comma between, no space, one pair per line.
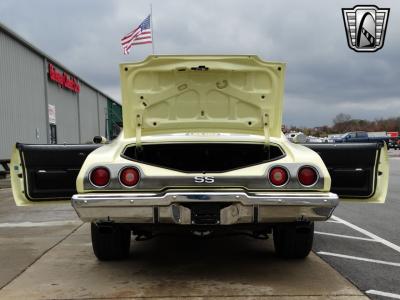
(201,152)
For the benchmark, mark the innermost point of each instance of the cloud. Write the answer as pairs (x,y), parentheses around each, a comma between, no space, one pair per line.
(324,77)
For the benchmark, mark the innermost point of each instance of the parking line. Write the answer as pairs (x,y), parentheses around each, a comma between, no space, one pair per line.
(345,236)
(383,294)
(369,234)
(332,221)
(382,262)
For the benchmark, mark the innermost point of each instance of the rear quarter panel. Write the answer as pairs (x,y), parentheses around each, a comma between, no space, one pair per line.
(111,154)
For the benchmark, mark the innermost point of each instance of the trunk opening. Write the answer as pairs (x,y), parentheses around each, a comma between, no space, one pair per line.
(203,157)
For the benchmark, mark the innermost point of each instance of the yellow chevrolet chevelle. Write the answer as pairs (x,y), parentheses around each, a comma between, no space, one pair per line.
(201,152)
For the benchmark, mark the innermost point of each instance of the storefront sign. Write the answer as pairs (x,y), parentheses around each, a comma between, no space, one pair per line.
(63,79)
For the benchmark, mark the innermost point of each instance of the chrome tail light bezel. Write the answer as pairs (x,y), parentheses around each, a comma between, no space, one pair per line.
(126,168)
(287,176)
(316,177)
(91,173)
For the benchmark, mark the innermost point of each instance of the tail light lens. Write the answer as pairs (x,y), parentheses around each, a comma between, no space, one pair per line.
(307,176)
(100,176)
(129,176)
(278,176)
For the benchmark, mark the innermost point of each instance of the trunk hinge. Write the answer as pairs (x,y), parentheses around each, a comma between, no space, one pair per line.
(139,131)
(266,129)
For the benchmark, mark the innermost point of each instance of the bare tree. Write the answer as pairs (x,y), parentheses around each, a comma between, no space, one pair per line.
(341,118)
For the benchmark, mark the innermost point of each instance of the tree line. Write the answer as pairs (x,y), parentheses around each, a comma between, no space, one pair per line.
(344,123)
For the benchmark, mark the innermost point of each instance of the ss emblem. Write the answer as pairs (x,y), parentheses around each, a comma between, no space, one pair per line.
(204,179)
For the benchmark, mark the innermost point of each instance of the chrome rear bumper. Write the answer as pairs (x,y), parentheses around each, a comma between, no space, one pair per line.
(174,207)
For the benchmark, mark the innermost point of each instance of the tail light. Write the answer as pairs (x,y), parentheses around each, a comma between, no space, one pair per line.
(100,176)
(307,176)
(129,176)
(278,176)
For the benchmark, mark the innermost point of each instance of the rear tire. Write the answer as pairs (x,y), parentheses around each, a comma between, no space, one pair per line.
(293,240)
(110,241)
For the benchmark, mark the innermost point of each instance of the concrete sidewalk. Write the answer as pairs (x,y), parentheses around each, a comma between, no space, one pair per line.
(177,267)
(5,183)
(55,261)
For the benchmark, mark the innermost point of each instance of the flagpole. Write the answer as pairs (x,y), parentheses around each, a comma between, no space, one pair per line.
(152,29)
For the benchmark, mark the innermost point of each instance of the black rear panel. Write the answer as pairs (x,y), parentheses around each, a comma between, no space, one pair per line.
(51,170)
(351,166)
(203,157)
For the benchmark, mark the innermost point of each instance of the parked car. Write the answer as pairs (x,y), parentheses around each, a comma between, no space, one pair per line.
(297,137)
(394,143)
(314,139)
(201,152)
(361,137)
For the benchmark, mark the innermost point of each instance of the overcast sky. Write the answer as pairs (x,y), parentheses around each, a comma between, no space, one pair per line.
(324,77)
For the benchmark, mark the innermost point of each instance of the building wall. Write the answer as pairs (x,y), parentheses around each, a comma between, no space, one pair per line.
(103,115)
(67,120)
(26,91)
(22,106)
(89,116)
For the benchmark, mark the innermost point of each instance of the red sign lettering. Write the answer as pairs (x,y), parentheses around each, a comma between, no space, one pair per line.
(63,80)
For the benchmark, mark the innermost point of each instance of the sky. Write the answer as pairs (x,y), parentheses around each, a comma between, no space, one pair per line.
(323,77)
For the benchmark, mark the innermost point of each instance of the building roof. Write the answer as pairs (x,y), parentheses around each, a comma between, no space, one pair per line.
(39,52)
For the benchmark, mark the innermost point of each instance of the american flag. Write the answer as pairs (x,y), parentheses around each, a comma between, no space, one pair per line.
(140,35)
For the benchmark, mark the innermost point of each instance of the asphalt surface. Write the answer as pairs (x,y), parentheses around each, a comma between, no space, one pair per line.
(382,220)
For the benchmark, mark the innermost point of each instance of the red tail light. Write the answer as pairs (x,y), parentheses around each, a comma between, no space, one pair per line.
(278,176)
(129,176)
(100,176)
(307,176)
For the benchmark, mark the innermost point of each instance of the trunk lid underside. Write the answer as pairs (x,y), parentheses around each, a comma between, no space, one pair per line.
(233,94)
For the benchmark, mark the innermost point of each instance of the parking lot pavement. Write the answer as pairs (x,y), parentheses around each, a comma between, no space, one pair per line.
(5,182)
(27,233)
(177,267)
(363,241)
(46,254)
(370,264)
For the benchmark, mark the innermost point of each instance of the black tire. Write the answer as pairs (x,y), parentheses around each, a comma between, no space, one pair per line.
(293,240)
(110,241)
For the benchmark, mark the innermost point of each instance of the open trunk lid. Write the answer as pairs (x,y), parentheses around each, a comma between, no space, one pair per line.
(232,94)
